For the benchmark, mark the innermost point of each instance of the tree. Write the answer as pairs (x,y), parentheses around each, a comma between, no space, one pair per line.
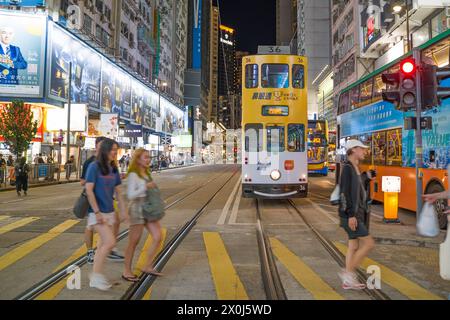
(17,126)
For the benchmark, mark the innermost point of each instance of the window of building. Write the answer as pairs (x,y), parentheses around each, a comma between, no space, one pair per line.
(439,23)
(98,32)
(365,96)
(274,75)
(253,137)
(296,137)
(275,139)
(343,103)
(379,148)
(354,97)
(251,76)
(124,29)
(107,13)
(394,147)
(421,35)
(298,76)
(87,24)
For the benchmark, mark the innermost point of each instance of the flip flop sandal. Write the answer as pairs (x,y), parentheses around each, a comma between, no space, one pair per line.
(134,278)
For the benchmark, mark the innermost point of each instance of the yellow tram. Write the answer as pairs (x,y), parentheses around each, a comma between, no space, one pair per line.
(274,123)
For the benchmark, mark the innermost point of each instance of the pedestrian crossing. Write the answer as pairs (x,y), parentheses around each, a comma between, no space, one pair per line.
(228,283)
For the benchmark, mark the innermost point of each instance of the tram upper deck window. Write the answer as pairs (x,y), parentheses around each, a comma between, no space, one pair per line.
(275,138)
(251,76)
(298,76)
(378,86)
(253,137)
(275,75)
(354,97)
(296,138)
(365,96)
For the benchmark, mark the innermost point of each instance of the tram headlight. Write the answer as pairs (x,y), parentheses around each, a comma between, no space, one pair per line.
(275,175)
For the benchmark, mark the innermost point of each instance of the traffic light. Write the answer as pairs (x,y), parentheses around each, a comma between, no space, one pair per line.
(408,84)
(401,86)
(432,93)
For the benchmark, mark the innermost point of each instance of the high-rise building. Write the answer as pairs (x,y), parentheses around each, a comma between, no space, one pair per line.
(205,74)
(213,64)
(286,23)
(313,41)
(227,60)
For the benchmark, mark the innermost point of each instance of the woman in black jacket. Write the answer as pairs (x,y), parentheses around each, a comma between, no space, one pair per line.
(354,212)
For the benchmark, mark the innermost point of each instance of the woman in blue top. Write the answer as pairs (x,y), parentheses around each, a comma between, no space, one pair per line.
(102,183)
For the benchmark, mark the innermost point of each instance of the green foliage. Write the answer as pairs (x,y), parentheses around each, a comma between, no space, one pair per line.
(17,126)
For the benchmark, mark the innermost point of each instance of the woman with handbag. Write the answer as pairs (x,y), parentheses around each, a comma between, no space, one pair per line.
(354,212)
(140,184)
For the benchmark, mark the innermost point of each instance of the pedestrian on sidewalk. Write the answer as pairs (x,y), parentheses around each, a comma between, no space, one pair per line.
(102,185)
(21,172)
(2,169)
(10,161)
(139,181)
(69,167)
(89,231)
(354,212)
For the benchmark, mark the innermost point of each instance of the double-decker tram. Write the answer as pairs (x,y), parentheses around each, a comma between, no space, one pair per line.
(317,147)
(363,115)
(274,122)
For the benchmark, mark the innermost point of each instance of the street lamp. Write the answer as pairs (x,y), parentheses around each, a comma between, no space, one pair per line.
(396,9)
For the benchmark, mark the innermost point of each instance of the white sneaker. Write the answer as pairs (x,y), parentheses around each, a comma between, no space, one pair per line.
(350,281)
(97,280)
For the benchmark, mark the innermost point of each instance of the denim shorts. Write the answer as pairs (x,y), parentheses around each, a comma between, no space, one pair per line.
(361,229)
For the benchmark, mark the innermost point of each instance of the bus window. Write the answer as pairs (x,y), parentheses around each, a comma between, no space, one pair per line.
(367,140)
(378,87)
(275,139)
(354,97)
(296,138)
(298,76)
(343,103)
(251,76)
(253,137)
(275,75)
(394,147)
(366,92)
(379,148)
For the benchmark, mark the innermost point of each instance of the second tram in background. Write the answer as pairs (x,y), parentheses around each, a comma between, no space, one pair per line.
(274,122)
(318,147)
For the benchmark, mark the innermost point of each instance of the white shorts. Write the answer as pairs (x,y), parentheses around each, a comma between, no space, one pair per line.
(92,219)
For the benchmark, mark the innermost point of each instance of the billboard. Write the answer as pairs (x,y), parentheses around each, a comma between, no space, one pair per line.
(23,3)
(57,118)
(115,90)
(196,35)
(137,102)
(109,125)
(22,54)
(63,50)
(172,118)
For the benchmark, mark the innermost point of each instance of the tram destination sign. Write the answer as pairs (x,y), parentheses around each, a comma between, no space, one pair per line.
(274,50)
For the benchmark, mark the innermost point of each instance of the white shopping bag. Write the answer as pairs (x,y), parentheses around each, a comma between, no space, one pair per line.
(335,196)
(427,224)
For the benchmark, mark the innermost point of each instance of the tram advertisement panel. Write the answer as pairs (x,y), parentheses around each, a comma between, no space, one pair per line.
(86,63)
(22,54)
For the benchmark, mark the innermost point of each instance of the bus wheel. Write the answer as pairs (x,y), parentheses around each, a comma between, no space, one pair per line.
(439,205)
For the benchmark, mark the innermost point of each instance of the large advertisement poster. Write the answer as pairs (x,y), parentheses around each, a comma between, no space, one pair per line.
(115,90)
(109,125)
(64,49)
(22,50)
(172,117)
(137,104)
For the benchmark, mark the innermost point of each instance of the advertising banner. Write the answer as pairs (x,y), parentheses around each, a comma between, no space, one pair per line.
(132,131)
(22,54)
(22,3)
(57,118)
(196,35)
(137,102)
(172,118)
(115,90)
(86,63)
(93,128)
(109,125)
(151,108)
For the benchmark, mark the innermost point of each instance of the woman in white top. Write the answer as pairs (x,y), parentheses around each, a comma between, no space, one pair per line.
(139,180)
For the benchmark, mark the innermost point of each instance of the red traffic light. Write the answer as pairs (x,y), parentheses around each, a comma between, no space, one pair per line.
(408,66)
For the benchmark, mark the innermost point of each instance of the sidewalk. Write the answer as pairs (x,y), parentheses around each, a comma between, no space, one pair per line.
(64,181)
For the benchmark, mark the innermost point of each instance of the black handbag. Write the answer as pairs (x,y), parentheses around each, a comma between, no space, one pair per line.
(81,206)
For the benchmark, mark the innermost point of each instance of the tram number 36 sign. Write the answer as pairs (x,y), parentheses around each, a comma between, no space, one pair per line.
(274,50)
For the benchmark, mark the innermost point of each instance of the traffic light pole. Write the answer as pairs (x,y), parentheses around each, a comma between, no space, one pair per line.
(418,133)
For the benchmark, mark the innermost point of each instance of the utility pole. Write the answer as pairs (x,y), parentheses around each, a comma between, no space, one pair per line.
(418,133)
(407,26)
(68,113)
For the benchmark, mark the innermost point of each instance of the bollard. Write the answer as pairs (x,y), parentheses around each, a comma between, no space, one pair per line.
(390,185)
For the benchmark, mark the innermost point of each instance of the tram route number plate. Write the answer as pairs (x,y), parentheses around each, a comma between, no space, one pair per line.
(274,50)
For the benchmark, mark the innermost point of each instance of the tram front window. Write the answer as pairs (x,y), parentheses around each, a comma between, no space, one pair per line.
(275,139)
(275,76)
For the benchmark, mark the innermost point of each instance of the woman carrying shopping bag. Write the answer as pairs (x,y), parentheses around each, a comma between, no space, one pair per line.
(140,186)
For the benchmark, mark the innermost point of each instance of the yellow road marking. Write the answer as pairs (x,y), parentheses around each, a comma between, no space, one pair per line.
(17,224)
(3,217)
(319,289)
(21,251)
(53,291)
(226,280)
(395,280)
(143,258)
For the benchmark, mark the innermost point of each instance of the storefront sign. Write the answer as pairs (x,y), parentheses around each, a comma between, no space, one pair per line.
(65,49)
(57,118)
(133,131)
(22,54)
(109,125)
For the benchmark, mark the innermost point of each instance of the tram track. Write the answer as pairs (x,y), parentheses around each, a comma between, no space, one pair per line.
(273,286)
(57,276)
(375,294)
(138,290)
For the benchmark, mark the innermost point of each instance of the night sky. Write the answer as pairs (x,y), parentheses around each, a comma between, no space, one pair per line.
(254,21)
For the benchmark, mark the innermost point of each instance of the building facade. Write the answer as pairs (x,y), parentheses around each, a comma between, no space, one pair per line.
(286,23)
